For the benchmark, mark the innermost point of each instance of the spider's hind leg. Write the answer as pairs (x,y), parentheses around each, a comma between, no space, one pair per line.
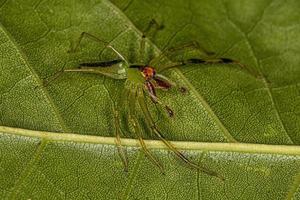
(122,153)
(118,130)
(137,131)
(131,100)
(155,130)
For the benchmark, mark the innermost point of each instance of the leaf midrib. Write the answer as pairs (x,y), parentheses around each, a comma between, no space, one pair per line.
(154,144)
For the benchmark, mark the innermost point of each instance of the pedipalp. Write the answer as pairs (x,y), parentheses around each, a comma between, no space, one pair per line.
(149,87)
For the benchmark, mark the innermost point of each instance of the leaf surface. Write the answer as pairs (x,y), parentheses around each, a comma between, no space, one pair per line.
(224,110)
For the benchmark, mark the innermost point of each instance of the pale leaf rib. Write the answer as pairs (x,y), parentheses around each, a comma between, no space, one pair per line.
(156,144)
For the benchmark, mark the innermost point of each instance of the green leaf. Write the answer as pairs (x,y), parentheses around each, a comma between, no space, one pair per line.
(244,128)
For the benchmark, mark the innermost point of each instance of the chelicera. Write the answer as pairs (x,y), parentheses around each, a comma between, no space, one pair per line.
(142,81)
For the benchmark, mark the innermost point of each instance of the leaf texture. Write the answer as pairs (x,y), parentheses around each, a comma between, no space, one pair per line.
(245,128)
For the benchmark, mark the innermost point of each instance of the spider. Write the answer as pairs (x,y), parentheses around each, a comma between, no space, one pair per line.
(141,81)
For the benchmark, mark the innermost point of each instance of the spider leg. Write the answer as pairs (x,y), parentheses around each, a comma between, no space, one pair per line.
(153,24)
(120,148)
(101,64)
(210,61)
(142,48)
(193,45)
(92,67)
(151,124)
(122,153)
(96,39)
(106,68)
(137,129)
(221,61)
(48,80)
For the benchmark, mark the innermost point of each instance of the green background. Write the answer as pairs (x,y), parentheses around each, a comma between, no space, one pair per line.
(223,104)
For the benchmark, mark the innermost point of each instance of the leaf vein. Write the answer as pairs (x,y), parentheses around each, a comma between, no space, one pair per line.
(260,17)
(264,80)
(294,187)
(28,169)
(37,80)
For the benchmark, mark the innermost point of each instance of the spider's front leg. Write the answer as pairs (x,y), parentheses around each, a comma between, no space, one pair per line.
(209,58)
(154,27)
(210,61)
(115,69)
(98,40)
(155,130)
(221,61)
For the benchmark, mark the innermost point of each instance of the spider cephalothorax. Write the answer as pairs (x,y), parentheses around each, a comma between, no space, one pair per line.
(148,72)
(152,81)
(157,80)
